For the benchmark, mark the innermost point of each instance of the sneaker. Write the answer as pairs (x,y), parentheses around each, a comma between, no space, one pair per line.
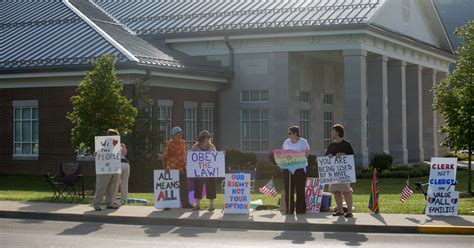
(197,208)
(113,206)
(97,208)
(210,209)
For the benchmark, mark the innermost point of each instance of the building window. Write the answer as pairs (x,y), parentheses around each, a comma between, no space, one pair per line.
(305,123)
(254,96)
(304,96)
(328,122)
(254,130)
(164,118)
(207,119)
(329,99)
(190,127)
(25,131)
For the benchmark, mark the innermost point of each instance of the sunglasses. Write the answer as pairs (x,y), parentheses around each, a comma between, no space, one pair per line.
(290,133)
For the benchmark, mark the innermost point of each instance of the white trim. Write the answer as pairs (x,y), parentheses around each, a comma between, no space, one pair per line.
(165,103)
(440,23)
(190,104)
(107,37)
(193,77)
(25,103)
(207,105)
(260,36)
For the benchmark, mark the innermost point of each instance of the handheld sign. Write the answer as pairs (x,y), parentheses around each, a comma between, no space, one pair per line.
(108,152)
(205,164)
(442,174)
(335,170)
(290,160)
(166,189)
(237,193)
(442,203)
(314,193)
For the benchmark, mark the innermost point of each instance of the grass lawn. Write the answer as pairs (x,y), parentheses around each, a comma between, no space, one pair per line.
(35,188)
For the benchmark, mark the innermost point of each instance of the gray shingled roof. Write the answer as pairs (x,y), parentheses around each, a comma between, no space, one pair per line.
(49,34)
(191,16)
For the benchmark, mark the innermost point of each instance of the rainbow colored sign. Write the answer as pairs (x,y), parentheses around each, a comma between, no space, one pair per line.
(290,160)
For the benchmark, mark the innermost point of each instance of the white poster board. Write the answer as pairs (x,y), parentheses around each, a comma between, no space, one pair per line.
(237,193)
(205,164)
(443,174)
(166,189)
(335,170)
(108,152)
(442,203)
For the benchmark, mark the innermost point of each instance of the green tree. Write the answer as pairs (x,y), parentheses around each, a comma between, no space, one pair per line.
(99,105)
(454,97)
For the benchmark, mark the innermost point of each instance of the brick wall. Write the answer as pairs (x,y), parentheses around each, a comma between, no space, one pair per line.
(54,128)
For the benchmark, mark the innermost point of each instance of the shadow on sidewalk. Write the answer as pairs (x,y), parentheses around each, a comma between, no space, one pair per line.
(451,220)
(302,237)
(349,239)
(82,229)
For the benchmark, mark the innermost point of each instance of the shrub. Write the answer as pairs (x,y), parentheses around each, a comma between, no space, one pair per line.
(382,162)
(237,160)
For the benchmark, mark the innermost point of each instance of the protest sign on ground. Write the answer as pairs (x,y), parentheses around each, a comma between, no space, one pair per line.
(443,174)
(237,193)
(442,203)
(314,194)
(166,189)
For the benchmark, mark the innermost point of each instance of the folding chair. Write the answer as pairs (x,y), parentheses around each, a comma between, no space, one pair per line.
(69,185)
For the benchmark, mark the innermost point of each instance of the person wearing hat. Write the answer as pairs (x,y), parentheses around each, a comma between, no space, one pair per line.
(174,158)
(204,144)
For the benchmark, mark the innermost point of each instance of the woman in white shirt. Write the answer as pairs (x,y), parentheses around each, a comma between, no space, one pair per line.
(298,178)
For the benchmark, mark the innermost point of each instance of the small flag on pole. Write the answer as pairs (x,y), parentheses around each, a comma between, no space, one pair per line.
(268,189)
(374,194)
(406,192)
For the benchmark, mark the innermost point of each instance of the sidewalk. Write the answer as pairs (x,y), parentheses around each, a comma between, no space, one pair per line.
(257,220)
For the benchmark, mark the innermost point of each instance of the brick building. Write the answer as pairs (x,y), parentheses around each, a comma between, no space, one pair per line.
(246,70)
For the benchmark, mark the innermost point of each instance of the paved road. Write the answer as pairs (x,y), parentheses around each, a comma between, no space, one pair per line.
(38,233)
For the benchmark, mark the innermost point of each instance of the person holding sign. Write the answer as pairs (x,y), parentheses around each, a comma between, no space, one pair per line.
(174,157)
(340,147)
(125,175)
(295,181)
(107,184)
(204,145)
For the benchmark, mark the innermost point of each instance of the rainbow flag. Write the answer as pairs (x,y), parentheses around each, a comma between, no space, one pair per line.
(374,195)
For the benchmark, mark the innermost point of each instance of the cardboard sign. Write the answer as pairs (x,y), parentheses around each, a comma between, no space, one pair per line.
(108,152)
(166,189)
(314,194)
(205,164)
(237,193)
(335,170)
(442,203)
(442,174)
(290,160)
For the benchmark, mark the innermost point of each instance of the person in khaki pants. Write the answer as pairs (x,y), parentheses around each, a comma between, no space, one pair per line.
(124,177)
(107,184)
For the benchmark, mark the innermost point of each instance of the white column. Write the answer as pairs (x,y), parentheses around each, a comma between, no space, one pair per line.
(397,111)
(430,122)
(377,100)
(355,103)
(414,113)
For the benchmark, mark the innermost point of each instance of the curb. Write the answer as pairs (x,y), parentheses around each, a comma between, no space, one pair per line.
(236,224)
(465,230)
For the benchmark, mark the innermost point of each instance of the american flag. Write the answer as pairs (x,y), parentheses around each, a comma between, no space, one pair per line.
(268,189)
(407,192)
